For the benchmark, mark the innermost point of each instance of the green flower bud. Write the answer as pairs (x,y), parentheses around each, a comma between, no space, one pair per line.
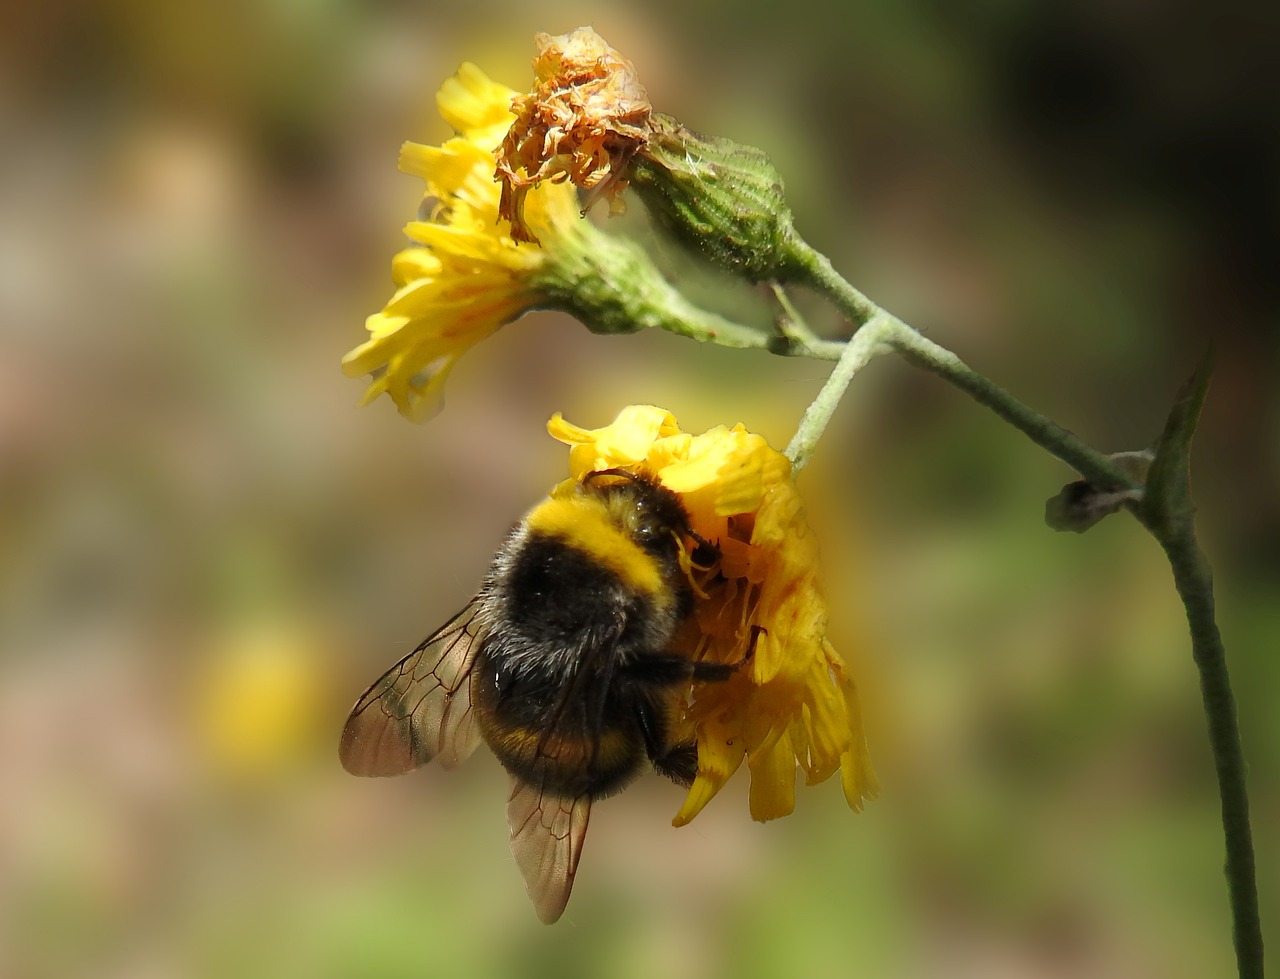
(722,198)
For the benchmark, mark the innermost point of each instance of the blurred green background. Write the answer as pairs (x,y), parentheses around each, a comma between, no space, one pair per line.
(208,552)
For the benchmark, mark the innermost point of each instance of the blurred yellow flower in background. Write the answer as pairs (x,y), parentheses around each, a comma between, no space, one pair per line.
(464,276)
(259,700)
(796,703)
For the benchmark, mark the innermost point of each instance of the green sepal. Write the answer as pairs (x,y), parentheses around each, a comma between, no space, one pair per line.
(723,199)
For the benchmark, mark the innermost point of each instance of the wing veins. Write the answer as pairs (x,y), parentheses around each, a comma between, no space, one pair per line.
(424,705)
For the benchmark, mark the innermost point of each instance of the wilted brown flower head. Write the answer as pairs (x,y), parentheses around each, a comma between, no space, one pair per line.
(585,119)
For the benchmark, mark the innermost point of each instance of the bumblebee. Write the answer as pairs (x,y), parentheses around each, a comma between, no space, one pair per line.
(561,665)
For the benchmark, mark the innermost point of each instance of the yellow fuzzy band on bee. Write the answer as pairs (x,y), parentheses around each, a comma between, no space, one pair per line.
(529,744)
(584,524)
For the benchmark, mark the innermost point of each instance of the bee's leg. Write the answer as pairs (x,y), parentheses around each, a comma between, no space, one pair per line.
(705,672)
(668,670)
(705,554)
(714,672)
(678,762)
(665,669)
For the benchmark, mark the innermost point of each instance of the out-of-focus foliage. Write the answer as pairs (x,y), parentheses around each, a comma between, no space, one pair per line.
(208,552)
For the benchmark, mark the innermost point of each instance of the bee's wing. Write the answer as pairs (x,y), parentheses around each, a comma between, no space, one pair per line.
(546,839)
(421,708)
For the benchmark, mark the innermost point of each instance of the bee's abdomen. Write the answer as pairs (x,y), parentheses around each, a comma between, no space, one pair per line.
(570,764)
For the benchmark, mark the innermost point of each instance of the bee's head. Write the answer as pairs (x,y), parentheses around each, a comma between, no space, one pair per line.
(645,510)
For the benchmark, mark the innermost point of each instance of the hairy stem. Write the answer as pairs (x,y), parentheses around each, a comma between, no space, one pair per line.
(867,343)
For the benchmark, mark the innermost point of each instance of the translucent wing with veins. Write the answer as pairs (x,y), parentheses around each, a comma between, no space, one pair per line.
(419,709)
(547,831)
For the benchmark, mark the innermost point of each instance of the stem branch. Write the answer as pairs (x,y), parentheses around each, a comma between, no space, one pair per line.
(867,343)
(915,348)
(1084,459)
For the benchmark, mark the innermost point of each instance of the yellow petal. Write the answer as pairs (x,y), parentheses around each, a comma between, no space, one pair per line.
(414,263)
(464,277)
(719,756)
(773,781)
(471,101)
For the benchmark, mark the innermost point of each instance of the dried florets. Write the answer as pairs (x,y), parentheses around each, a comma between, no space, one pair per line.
(585,119)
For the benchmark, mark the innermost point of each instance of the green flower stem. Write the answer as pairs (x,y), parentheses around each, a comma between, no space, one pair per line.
(1090,463)
(816,268)
(1194,580)
(868,342)
(1176,536)
(1168,511)
(687,320)
(612,286)
(1093,465)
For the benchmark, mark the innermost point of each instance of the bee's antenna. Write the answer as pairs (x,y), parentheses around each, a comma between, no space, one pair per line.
(625,473)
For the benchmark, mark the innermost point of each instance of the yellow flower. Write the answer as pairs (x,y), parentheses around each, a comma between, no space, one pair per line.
(464,276)
(585,119)
(796,703)
(258,705)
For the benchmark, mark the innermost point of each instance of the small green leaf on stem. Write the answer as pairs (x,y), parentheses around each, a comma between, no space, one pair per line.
(1168,499)
(786,318)
(1082,504)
